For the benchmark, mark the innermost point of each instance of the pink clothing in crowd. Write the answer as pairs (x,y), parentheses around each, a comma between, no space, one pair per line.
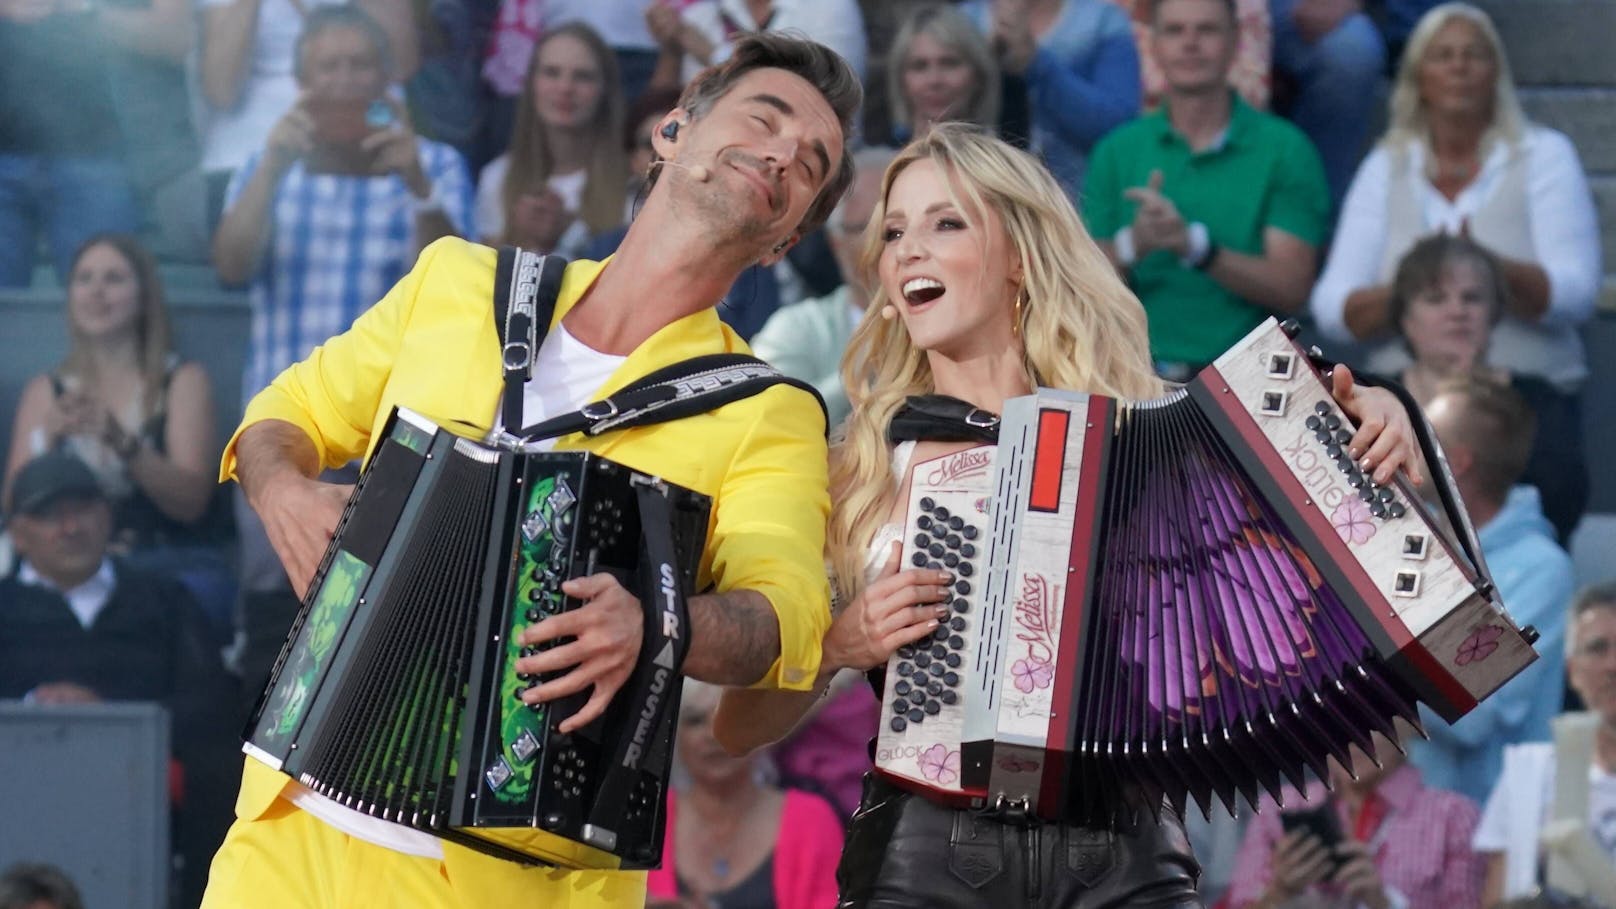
(805,854)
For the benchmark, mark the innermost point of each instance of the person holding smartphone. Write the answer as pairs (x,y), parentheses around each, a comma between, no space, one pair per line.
(1383,841)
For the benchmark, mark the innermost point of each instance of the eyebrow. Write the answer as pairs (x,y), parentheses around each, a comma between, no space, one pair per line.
(935,206)
(783,106)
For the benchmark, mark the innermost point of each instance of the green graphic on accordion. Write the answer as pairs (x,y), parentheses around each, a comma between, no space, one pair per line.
(541,566)
(338,596)
(412,437)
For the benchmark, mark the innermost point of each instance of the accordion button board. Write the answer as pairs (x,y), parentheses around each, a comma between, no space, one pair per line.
(1194,598)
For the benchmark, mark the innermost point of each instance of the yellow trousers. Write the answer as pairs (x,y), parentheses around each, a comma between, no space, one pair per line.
(286,858)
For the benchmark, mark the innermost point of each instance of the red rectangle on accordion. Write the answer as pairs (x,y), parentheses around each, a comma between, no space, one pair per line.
(1048,458)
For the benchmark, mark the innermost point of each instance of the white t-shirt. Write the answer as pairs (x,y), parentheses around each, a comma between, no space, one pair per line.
(268,89)
(489,211)
(566,375)
(1520,804)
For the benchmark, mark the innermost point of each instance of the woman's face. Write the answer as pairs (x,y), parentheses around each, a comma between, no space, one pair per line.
(706,761)
(1458,72)
(937,81)
(952,274)
(1448,323)
(567,83)
(103,294)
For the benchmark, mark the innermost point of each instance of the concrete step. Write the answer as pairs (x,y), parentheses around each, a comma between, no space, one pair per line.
(1586,115)
(1557,42)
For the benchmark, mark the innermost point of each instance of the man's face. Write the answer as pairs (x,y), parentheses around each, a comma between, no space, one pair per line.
(341,63)
(66,540)
(1194,42)
(770,145)
(1592,663)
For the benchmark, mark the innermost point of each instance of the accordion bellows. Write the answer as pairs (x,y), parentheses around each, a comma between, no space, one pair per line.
(1191,598)
(396,693)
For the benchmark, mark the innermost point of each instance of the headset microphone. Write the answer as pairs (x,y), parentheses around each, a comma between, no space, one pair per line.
(698,172)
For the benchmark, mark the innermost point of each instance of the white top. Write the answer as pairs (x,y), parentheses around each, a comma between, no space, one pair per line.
(1520,805)
(488,211)
(620,22)
(1562,229)
(86,600)
(837,24)
(566,375)
(887,534)
(268,89)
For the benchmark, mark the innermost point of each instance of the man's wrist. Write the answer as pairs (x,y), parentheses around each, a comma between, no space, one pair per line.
(1127,250)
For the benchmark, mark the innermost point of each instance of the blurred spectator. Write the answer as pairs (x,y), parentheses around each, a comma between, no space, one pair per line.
(805,340)
(1331,57)
(1528,798)
(1404,845)
(1447,295)
(1460,157)
(33,886)
(941,68)
(734,839)
(1081,68)
(68,70)
(1486,433)
(1252,60)
(125,404)
(249,70)
(321,222)
(562,179)
(1212,209)
(77,626)
(448,100)
(705,31)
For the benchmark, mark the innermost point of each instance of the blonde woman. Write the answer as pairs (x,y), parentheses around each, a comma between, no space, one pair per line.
(1460,157)
(942,69)
(561,181)
(985,286)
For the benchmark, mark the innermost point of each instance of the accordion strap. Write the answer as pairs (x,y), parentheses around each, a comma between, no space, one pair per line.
(526,286)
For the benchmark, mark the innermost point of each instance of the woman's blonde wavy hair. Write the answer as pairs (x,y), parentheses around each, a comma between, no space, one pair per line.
(1080,326)
(1408,120)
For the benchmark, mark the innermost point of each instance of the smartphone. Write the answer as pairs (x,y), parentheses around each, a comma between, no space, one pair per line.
(339,121)
(1322,822)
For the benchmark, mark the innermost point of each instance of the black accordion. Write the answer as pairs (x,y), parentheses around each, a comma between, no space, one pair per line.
(397,694)
(1190,598)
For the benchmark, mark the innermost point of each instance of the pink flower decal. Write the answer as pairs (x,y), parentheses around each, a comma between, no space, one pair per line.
(939,765)
(1032,673)
(1353,521)
(1479,646)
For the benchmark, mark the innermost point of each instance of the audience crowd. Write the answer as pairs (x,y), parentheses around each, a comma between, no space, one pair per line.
(1221,151)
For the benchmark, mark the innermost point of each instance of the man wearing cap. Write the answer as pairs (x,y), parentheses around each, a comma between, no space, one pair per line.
(76,626)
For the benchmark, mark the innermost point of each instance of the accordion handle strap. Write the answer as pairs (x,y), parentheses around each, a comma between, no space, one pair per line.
(1435,460)
(526,286)
(653,688)
(684,389)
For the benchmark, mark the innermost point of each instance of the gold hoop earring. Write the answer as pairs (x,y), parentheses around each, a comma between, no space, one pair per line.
(1021,302)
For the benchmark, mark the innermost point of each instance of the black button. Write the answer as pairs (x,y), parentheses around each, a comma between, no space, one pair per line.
(966,570)
(934,565)
(905,667)
(938,651)
(963,588)
(1332,422)
(948,697)
(953,660)
(915,715)
(902,689)
(932,707)
(922,660)
(941,513)
(533,615)
(1332,449)
(952,541)
(927,503)
(918,559)
(1356,479)
(923,522)
(535,594)
(969,532)
(950,559)
(940,634)
(962,605)
(1321,435)
(1313,422)
(906,651)
(956,623)
(934,688)
(967,550)
(937,669)
(1321,408)
(899,724)
(1378,509)
(936,550)
(956,523)
(1396,510)
(956,642)
(1367,494)
(1342,436)
(1385,494)
(900,705)
(951,679)
(922,541)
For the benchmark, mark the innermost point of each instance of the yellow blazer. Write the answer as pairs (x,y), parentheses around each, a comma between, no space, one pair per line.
(431,345)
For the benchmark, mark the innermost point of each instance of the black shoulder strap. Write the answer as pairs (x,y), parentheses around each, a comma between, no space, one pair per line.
(526,286)
(686,388)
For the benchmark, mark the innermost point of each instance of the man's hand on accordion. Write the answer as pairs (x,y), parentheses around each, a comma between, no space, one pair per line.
(900,607)
(1385,438)
(300,516)
(605,637)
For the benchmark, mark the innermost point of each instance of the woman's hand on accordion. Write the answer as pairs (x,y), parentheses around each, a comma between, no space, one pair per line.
(898,608)
(606,633)
(1385,441)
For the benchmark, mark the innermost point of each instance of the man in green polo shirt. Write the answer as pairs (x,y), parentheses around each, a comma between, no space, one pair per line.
(1212,210)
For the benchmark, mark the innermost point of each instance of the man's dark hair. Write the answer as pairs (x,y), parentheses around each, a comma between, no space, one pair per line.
(819,66)
(1234,14)
(26,884)
(347,15)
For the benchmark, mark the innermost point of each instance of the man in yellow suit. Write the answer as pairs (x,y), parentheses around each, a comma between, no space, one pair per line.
(751,159)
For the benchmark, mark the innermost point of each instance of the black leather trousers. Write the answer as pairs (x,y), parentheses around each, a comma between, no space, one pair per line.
(904,851)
